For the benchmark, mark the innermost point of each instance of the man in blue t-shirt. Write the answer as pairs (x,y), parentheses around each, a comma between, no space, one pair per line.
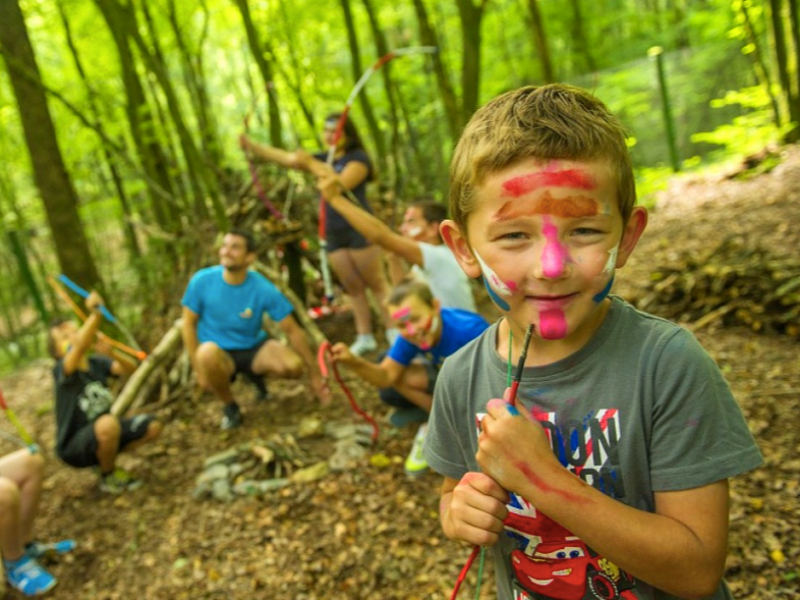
(428,335)
(223,314)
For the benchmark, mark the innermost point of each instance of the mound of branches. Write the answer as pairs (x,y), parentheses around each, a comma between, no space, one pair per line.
(733,284)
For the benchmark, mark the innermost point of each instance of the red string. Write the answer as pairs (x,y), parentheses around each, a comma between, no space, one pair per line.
(463,575)
(322,353)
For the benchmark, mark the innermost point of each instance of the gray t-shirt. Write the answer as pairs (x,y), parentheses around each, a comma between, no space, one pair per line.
(448,283)
(641,408)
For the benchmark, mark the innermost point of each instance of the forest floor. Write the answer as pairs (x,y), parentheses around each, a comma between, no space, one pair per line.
(371,531)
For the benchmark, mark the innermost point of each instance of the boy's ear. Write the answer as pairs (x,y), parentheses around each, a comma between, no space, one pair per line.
(456,240)
(630,236)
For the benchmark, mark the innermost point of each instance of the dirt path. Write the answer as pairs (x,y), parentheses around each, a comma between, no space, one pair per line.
(371,532)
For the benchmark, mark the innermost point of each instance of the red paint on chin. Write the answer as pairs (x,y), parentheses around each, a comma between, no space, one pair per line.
(570,207)
(570,178)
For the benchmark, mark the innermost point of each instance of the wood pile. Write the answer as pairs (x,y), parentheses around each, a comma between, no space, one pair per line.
(733,284)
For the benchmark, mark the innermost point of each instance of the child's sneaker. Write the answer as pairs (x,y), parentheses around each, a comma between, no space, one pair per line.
(42,550)
(364,343)
(415,462)
(27,576)
(231,416)
(119,481)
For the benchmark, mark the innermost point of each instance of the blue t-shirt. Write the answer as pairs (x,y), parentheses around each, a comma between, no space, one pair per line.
(231,316)
(458,328)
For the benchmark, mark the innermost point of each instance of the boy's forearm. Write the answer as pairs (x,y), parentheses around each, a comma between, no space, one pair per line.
(370,372)
(659,549)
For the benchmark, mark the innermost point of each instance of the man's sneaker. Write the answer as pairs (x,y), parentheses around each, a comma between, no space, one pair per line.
(27,576)
(400,417)
(415,462)
(119,481)
(364,343)
(42,550)
(232,416)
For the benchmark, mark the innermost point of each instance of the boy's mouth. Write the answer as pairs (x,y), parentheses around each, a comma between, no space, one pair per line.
(549,302)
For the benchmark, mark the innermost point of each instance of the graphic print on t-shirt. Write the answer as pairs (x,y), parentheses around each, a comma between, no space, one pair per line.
(548,562)
(95,400)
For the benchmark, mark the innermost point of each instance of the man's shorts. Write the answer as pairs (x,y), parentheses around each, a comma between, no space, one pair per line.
(81,450)
(345,238)
(243,360)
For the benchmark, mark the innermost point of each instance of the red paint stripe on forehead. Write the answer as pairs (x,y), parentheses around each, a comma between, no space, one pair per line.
(571,207)
(569,178)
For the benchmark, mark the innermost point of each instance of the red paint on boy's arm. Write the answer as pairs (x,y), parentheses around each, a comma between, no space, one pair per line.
(548,489)
(571,207)
(570,178)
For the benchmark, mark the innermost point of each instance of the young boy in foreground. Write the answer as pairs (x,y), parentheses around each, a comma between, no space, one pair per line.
(88,435)
(608,476)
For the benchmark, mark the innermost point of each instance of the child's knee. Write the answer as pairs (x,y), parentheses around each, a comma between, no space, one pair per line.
(154,429)
(9,495)
(107,429)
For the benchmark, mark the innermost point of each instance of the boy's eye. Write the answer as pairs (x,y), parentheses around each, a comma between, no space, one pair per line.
(586,231)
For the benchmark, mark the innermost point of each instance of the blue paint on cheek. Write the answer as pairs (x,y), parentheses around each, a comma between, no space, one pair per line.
(603,294)
(501,304)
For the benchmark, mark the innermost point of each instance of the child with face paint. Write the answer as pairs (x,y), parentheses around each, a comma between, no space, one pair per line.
(408,372)
(356,261)
(608,477)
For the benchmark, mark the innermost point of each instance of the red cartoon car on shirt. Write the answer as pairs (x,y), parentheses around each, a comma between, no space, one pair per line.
(567,569)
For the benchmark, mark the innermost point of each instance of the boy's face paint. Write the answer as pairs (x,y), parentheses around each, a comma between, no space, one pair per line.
(417,322)
(547,237)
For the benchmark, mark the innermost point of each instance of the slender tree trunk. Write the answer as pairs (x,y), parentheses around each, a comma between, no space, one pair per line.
(428,37)
(130,233)
(382,47)
(759,65)
(192,63)
(151,154)
(265,67)
(50,173)
(579,37)
(471,16)
(779,45)
(363,98)
(540,41)
(794,99)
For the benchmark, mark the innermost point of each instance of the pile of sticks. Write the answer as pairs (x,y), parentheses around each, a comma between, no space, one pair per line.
(734,285)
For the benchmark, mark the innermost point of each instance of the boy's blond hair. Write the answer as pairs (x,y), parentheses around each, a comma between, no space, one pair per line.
(546,122)
(410,287)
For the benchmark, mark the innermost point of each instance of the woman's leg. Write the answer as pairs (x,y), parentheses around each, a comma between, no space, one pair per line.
(344,265)
(369,263)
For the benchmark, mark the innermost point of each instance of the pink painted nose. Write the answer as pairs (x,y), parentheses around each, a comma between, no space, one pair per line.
(554,255)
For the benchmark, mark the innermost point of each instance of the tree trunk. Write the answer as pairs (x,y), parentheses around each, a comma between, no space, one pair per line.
(428,37)
(794,98)
(579,37)
(396,162)
(540,41)
(363,97)
(151,154)
(50,173)
(130,233)
(265,67)
(471,17)
(757,60)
